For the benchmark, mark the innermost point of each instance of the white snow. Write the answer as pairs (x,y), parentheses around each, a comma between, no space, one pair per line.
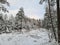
(33,37)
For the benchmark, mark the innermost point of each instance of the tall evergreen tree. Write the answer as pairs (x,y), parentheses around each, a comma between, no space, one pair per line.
(19,17)
(3,9)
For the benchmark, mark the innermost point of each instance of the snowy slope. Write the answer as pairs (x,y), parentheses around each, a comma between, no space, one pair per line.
(33,37)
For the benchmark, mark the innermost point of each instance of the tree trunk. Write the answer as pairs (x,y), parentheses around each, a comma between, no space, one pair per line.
(51,19)
(58,17)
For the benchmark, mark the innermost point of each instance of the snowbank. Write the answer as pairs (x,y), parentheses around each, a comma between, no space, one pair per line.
(34,37)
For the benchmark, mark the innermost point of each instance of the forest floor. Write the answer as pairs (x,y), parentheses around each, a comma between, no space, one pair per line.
(33,37)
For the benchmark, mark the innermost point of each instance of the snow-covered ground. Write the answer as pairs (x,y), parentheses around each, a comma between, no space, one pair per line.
(33,37)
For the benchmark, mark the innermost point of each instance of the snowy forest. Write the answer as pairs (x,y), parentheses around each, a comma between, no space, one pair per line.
(19,29)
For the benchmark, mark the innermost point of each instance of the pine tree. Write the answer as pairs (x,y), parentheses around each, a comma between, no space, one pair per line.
(11,22)
(3,9)
(19,18)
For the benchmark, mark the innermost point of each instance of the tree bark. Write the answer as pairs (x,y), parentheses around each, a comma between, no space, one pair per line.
(58,17)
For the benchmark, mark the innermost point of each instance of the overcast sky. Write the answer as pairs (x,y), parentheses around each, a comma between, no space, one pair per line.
(32,8)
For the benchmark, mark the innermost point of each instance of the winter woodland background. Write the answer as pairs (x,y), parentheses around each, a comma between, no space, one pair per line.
(22,30)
